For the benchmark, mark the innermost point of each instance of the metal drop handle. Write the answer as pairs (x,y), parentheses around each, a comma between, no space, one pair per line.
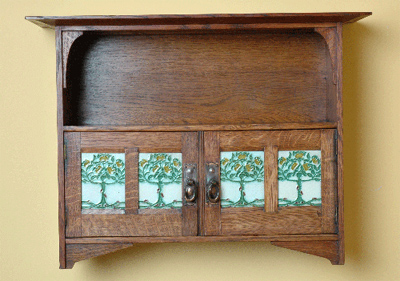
(190,190)
(213,191)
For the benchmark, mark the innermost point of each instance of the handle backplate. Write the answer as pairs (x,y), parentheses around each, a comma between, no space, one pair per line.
(212,182)
(190,183)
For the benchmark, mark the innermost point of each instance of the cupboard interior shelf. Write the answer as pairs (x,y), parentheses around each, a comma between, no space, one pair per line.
(200,128)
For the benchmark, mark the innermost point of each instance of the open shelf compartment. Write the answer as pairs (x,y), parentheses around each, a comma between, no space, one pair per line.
(268,77)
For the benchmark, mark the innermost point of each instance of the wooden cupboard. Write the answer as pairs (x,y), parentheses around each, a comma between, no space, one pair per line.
(191,128)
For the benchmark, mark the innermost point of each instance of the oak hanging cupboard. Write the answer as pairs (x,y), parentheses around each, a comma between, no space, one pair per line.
(199,128)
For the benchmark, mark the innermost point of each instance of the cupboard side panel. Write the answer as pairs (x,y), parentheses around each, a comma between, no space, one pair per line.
(340,203)
(60,137)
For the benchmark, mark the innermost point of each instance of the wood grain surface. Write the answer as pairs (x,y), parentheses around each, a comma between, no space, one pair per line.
(205,19)
(325,249)
(190,155)
(73,190)
(203,79)
(78,252)
(213,127)
(290,220)
(212,211)
(224,238)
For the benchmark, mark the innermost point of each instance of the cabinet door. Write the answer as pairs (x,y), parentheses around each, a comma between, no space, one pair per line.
(131,184)
(270,182)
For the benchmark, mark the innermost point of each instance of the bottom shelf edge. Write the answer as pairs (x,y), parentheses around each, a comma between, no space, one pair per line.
(177,239)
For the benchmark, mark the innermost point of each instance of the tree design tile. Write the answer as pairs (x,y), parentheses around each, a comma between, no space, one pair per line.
(242,179)
(299,178)
(160,180)
(103,182)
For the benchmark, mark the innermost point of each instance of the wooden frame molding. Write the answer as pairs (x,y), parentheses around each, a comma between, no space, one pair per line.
(199,85)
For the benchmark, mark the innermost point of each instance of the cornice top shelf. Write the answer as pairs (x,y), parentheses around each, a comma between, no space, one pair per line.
(238,19)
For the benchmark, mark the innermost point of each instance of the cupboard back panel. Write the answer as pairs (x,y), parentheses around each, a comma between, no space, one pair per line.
(247,78)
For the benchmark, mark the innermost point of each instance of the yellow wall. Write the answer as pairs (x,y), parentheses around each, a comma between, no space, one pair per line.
(28,165)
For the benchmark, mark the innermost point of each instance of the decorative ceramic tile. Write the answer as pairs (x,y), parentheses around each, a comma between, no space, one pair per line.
(160,180)
(103,182)
(299,176)
(242,179)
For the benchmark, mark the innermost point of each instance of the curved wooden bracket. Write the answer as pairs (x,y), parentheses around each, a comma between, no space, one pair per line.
(68,39)
(331,39)
(79,252)
(325,249)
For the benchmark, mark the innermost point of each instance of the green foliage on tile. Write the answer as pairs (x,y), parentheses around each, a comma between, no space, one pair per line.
(163,170)
(104,173)
(299,167)
(239,171)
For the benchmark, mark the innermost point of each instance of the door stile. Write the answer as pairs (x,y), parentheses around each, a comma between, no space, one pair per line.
(73,195)
(132,181)
(328,181)
(190,167)
(212,214)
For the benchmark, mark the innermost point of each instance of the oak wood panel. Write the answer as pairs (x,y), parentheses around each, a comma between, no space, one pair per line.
(190,155)
(189,220)
(297,18)
(202,82)
(197,28)
(166,224)
(202,182)
(143,140)
(214,127)
(159,211)
(226,238)
(340,142)
(212,211)
(131,180)
(325,249)
(331,39)
(271,178)
(73,191)
(95,149)
(68,39)
(78,252)
(329,34)
(291,220)
(328,181)
(257,140)
(60,150)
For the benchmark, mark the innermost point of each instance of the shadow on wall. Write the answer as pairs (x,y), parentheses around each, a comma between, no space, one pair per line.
(182,258)
(354,36)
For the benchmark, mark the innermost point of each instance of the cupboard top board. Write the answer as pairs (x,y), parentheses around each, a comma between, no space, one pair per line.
(207,19)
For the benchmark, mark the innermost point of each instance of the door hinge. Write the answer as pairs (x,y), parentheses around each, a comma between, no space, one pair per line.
(336,218)
(65,151)
(66,216)
(336,142)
